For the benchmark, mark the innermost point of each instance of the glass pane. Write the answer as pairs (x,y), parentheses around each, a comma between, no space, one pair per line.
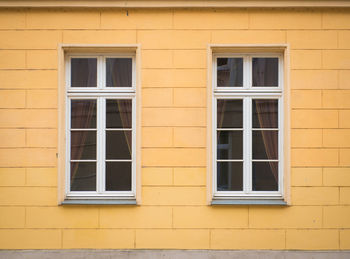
(83,176)
(229,113)
(265,71)
(230,144)
(265,113)
(83,114)
(230,72)
(118,113)
(265,176)
(83,145)
(118,144)
(230,176)
(83,72)
(118,176)
(265,144)
(118,72)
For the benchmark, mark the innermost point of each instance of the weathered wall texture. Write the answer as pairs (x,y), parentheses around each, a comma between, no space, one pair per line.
(174,214)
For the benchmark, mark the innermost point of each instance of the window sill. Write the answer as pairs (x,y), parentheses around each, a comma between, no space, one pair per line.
(99,202)
(248,202)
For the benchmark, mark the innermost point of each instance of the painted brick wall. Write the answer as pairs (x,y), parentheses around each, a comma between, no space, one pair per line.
(174,213)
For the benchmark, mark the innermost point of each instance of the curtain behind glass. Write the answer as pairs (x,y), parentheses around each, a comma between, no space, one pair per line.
(265,72)
(125,108)
(265,108)
(120,73)
(82,114)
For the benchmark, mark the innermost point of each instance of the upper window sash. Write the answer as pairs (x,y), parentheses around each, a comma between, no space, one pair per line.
(101,75)
(247,85)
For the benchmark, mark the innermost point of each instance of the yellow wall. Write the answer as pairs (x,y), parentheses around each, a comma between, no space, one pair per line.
(174,213)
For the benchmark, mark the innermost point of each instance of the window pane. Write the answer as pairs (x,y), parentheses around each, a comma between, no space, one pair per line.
(230,72)
(265,113)
(118,72)
(83,114)
(83,176)
(119,114)
(83,72)
(265,71)
(265,144)
(83,145)
(265,176)
(118,176)
(118,145)
(230,176)
(229,144)
(229,113)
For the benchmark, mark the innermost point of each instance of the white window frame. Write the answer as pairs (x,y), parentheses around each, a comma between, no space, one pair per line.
(246,93)
(100,93)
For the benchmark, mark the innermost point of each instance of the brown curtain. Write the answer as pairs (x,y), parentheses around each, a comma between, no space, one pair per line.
(82,114)
(121,76)
(221,104)
(265,111)
(125,107)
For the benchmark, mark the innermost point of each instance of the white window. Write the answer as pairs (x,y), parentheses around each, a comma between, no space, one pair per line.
(247,127)
(100,127)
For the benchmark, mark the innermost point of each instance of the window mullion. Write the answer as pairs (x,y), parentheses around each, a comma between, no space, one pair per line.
(103,150)
(248,144)
(100,77)
(98,144)
(247,73)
